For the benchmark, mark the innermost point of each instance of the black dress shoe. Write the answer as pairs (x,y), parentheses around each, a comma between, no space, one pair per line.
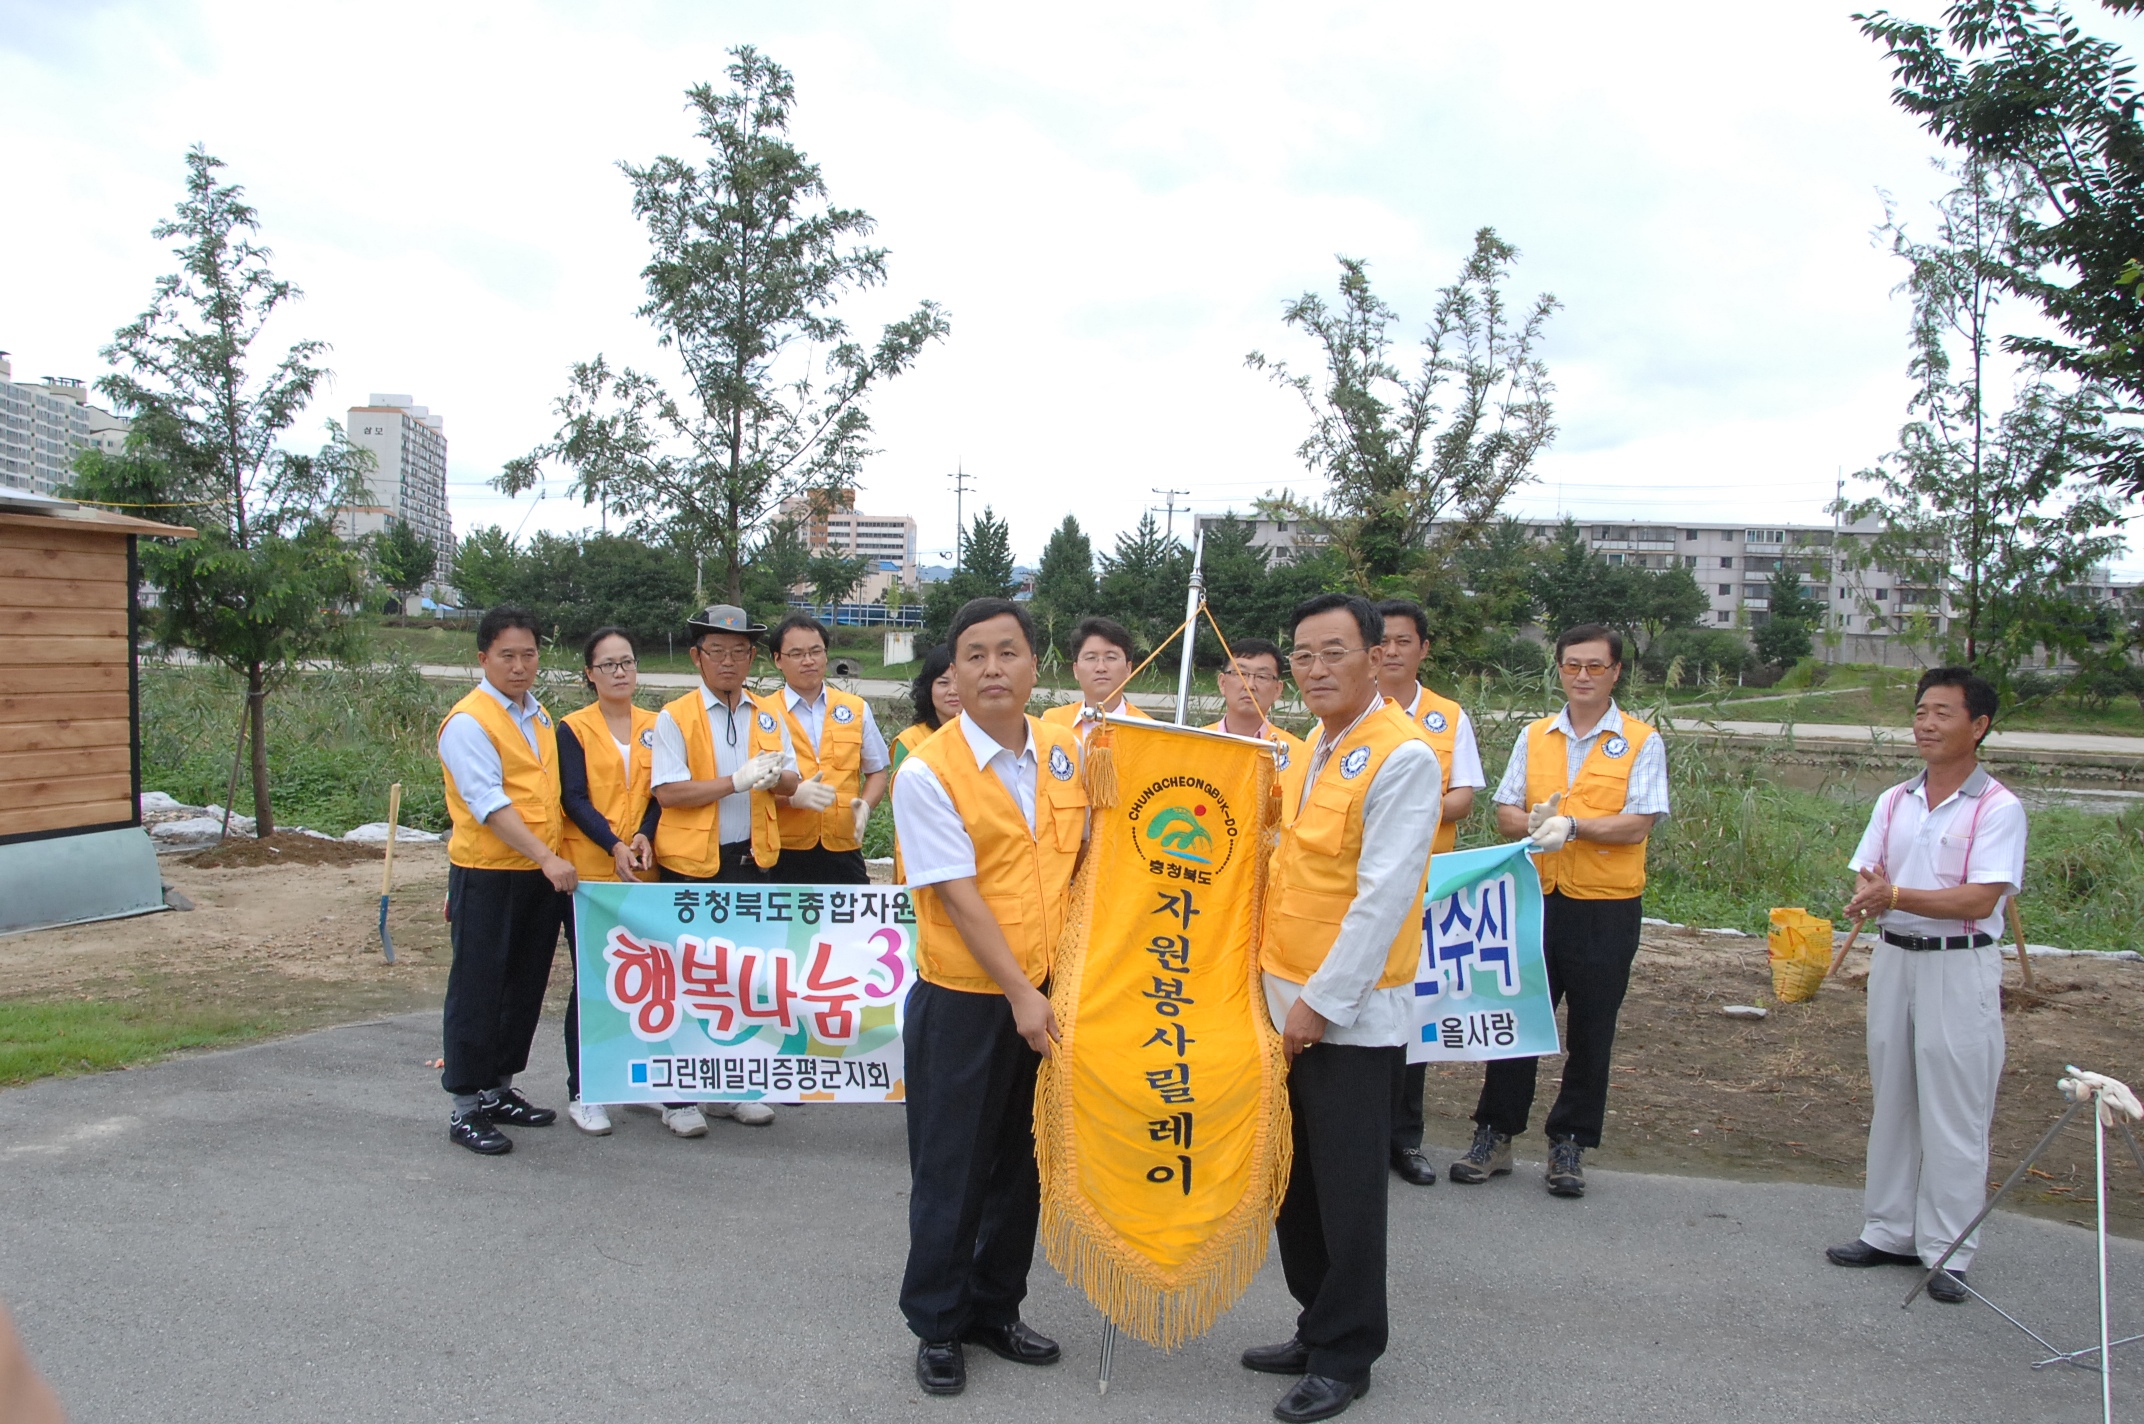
(474,1131)
(1948,1287)
(1316,1397)
(507,1105)
(940,1367)
(1414,1168)
(1860,1253)
(1290,1357)
(1014,1342)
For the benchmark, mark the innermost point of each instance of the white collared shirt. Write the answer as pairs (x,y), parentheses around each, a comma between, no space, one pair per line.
(935,844)
(1975,837)
(1646,794)
(1466,752)
(465,750)
(730,728)
(811,716)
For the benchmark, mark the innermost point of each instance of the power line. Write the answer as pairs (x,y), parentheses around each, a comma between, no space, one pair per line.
(960,531)
(1171,509)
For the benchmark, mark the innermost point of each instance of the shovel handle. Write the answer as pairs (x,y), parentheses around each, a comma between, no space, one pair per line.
(394,816)
(1846,948)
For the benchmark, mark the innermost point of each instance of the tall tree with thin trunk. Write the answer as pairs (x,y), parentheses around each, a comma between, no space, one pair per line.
(750,262)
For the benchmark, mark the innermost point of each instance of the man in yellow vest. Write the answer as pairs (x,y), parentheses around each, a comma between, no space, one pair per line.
(508,888)
(1586,786)
(1450,732)
(1101,664)
(840,755)
(1249,688)
(1343,937)
(992,817)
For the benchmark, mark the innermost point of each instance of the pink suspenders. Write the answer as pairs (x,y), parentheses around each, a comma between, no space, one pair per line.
(1972,830)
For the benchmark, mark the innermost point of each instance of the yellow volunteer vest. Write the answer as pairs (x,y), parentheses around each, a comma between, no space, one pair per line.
(841,758)
(1313,877)
(688,839)
(1025,879)
(622,799)
(1438,719)
(1066,714)
(1291,759)
(1585,870)
(529,778)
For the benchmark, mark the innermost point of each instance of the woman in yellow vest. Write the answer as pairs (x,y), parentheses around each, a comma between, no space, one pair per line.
(1586,786)
(991,816)
(936,699)
(841,760)
(1343,937)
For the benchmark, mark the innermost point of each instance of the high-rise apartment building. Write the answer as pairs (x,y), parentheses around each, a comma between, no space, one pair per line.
(43,424)
(409,478)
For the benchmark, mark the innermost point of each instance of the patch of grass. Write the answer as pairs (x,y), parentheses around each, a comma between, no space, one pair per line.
(63,1037)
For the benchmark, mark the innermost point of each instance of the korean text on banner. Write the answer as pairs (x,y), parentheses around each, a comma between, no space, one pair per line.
(1481,987)
(1161,1123)
(722,993)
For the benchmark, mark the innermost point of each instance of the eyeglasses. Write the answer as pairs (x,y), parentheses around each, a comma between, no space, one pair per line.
(613,667)
(1573,669)
(1097,659)
(1303,662)
(1262,679)
(727,655)
(804,655)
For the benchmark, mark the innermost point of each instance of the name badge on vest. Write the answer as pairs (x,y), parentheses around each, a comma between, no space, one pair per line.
(1434,721)
(1060,764)
(1352,764)
(1280,756)
(766,722)
(1614,747)
(543,718)
(647,736)
(844,715)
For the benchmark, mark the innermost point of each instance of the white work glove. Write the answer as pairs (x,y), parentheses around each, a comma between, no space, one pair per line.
(2116,1102)
(813,795)
(861,809)
(1553,832)
(758,773)
(1542,812)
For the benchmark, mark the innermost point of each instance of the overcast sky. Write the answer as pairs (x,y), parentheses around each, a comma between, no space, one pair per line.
(1113,204)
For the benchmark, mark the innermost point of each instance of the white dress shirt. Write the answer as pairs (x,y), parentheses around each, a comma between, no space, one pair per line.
(1975,837)
(465,750)
(811,716)
(1399,824)
(731,730)
(1645,795)
(935,845)
(1466,752)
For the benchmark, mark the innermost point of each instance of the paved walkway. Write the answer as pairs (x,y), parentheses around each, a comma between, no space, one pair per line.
(283,1233)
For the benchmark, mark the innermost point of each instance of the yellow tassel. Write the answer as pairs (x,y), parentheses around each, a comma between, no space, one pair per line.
(1101,758)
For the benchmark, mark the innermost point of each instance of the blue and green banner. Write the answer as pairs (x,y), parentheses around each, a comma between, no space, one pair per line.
(1481,988)
(740,993)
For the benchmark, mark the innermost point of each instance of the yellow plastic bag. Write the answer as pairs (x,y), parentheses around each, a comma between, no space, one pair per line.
(1800,946)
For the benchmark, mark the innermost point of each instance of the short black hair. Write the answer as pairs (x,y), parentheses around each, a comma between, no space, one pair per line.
(1247,648)
(982,610)
(1981,699)
(1592,633)
(588,649)
(790,625)
(935,664)
(1108,630)
(498,620)
(1365,614)
(1406,608)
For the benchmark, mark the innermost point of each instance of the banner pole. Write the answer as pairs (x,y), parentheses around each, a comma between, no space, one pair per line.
(1193,597)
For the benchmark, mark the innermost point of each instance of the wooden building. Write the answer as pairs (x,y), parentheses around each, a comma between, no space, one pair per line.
(71,842)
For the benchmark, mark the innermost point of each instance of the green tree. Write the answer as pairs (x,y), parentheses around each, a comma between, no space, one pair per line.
(484,565)
(1498,567)
(1784,637)
(985,572)
(749,264)
(1400,452)
(1064,581)
(1571,583)
(780,565)
(263,587)
(1667,599)
(1144,582)
(833,576)
(403,558)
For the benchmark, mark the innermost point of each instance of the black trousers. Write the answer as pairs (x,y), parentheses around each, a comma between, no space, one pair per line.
(1332,1222)
(816,865)
(1589,945)
(737,865)
(504,926)
(974,1198)
(1407,1108)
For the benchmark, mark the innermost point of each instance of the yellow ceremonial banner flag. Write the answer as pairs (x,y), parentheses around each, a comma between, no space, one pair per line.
(1161,1122)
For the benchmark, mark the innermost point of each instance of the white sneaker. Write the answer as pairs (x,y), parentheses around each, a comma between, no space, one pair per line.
(589,1118)
(752,1114)
(685,1121)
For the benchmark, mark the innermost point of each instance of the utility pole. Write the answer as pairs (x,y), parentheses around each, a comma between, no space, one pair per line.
(960,530)
(1170,508)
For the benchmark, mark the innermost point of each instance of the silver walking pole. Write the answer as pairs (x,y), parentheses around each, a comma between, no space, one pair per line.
(1195,596)
(2106,1360)
(1963,1236)
(1109,1355)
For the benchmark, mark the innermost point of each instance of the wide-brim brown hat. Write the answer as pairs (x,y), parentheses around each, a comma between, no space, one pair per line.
(723,618)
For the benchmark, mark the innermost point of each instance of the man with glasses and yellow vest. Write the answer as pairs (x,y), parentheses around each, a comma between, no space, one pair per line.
(1450,732)
(1102,650)
(1343,937)
(1586,786)
(841,758)
(508,888)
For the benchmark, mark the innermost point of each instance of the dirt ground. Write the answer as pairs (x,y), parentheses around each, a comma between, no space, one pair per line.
(1783,1098)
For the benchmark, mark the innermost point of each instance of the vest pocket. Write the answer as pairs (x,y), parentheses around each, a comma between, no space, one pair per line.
(1070,824)
(1312,906)
(1322,828)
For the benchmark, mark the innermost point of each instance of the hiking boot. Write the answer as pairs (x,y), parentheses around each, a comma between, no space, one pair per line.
(1566,1176)
(1490,1156)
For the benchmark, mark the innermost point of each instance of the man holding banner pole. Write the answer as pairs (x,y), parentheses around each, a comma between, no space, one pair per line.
(1343,938)
(1586,786)
(991,817)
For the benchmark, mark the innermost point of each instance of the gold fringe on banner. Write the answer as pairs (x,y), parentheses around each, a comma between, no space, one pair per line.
(1161,1306)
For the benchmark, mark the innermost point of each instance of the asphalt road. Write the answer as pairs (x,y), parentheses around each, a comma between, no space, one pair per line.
(283,1233)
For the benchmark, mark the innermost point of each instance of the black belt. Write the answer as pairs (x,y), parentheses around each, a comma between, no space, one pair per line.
(1971,941)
